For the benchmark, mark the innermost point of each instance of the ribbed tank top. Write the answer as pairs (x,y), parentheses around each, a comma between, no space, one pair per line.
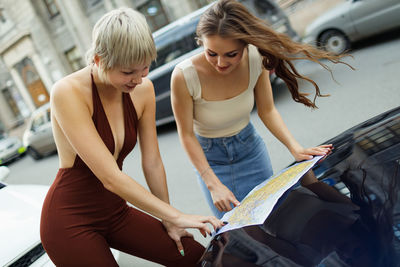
(225,117)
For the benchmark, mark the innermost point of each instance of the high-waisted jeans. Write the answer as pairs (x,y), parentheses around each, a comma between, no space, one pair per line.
(241,162)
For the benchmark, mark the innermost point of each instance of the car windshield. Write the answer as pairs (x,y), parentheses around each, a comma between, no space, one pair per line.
(265,7)
(175,42)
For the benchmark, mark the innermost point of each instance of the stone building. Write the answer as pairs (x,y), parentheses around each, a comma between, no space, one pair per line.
(44,40)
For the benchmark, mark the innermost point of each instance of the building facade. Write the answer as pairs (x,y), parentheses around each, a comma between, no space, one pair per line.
(43,40)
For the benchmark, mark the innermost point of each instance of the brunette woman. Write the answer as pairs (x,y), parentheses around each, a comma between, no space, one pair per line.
(213,94)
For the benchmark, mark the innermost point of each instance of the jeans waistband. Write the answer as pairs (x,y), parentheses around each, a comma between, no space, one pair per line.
(246,131)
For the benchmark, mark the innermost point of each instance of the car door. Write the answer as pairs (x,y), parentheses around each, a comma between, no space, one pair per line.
(42,134)
(374,16)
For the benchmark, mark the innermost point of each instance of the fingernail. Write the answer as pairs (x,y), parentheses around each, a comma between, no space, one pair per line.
(182,252)
(225,223)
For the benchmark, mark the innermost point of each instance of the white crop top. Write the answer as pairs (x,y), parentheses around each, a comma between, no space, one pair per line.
(225,117)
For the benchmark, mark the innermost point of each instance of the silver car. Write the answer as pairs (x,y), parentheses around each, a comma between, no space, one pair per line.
(38,136)
(351,21)
(10,148)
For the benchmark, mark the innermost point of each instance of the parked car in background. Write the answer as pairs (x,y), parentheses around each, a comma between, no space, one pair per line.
(351,21)
(20,211)
(38,136)
(20,208)
(11,148)
(176,41)
(364,165)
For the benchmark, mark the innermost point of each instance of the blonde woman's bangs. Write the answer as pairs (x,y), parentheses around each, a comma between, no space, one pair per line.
(122,38)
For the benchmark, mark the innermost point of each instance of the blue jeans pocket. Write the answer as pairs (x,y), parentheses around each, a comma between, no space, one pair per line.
(247,135)
(205,143)
(247,138)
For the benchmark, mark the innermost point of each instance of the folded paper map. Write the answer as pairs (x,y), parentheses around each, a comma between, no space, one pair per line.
(259,202)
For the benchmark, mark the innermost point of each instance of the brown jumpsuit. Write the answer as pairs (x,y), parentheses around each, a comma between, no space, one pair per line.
(81,219)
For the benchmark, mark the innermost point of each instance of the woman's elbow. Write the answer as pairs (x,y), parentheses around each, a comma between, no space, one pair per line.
(110,182)
(187,138)
(266,112)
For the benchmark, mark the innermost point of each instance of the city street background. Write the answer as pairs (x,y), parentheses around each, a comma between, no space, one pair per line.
(372,88)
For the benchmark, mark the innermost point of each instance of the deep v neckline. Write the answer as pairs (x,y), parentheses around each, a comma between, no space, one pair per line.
(110,132)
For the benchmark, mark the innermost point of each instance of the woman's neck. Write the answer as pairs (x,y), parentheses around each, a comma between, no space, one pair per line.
(103,87)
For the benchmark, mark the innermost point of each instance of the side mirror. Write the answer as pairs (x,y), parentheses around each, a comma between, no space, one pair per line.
(4,172)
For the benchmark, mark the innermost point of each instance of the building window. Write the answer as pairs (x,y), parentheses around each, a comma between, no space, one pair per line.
(6,23)
(90,4)
(51,7)
(11,102)
(155,14)
(2,17)
(74,59)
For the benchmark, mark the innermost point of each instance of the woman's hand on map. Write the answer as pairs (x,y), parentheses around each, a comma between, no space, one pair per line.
(301,153)
(223,197)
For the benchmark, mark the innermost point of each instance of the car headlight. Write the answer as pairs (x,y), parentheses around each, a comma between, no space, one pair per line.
(21,150)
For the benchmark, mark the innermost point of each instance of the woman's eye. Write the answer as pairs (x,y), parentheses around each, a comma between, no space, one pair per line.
(232,55)
(211,54)
(127,72)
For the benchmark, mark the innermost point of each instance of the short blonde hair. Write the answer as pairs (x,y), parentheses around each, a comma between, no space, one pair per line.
(121,38)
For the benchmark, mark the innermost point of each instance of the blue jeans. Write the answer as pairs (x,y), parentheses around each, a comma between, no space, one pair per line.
(241,162)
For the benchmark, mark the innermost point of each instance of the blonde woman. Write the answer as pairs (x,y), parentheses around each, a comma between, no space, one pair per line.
(213,94)
(97,114)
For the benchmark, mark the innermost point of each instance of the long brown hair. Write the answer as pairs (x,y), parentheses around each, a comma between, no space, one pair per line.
(231,19)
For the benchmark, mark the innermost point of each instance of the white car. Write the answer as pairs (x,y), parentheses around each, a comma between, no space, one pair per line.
(20,209)
(11,148)
(351,21)
(38,135)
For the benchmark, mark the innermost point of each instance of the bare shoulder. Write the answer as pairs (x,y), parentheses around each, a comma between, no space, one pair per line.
(143,96)
(145,89)
(178,82)
(177,75)
(72,87)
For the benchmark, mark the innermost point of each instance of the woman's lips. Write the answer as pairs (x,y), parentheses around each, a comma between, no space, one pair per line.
(130,86)
(222,68)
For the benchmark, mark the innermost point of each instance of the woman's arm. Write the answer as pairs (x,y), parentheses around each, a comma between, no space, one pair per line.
(153,167)
(182,106)
(273,121)
(73,116)
(152,164)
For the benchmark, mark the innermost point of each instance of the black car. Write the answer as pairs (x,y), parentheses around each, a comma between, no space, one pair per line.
(176,42)
(356,222)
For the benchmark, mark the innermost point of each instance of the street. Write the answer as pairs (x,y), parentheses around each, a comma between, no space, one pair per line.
(373,87)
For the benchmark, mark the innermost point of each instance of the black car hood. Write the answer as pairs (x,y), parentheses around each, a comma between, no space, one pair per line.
(364,166)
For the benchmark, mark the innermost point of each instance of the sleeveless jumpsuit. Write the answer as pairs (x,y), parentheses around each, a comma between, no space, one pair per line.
(81,219)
